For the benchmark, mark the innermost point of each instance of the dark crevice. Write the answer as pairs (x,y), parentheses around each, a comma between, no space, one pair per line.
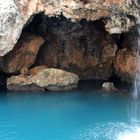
(90,84)
(128,39)
(3,81)
(119,84)
(43,25)
(117,39)
(124,41)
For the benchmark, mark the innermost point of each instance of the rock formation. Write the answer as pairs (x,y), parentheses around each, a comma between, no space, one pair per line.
(118,15)
(83,48)
(89,38)
(51,79)
(13,16)
(125,63)
(22,57)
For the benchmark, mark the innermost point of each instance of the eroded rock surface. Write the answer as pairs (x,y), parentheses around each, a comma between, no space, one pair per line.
(83,48)
(75,36)
(51,79)
(21,58)
(125,64)
(118,15)
(12,20)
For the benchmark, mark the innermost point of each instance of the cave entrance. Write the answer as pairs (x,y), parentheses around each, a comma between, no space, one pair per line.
(82,47)
(72,46)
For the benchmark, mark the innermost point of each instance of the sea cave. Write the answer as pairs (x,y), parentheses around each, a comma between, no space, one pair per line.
(70,70)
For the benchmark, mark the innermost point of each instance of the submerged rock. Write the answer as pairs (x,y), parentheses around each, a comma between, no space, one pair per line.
(51,79)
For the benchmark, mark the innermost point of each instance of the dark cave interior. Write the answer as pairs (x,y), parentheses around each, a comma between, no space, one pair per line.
(61,30)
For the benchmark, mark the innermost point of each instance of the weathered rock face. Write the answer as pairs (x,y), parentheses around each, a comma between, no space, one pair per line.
(13,16)
(83,48)
(76,37)
(125,64)
(118,15)
(21,58)
(51,79)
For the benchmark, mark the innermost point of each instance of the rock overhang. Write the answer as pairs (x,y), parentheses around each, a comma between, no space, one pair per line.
(118,15)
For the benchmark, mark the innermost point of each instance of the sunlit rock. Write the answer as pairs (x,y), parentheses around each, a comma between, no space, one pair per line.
(13,17)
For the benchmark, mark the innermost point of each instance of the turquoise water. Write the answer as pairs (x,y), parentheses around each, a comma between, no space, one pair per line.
(76,115)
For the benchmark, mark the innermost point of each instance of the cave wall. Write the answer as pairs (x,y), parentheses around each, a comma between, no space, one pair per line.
(94,39)
(84,48)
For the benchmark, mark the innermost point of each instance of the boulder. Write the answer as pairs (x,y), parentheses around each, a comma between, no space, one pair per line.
(108,86)
(51,79)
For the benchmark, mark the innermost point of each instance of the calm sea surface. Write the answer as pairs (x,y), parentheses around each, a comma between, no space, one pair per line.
(73,115)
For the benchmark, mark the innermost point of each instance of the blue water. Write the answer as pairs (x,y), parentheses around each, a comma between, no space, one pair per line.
(75,115)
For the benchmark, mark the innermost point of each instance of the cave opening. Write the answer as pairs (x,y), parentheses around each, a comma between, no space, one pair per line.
(83,48)
(61,36)
(90,84)
(120,84)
